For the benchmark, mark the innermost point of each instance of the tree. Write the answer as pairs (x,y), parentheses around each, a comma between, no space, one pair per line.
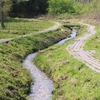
(4,7)
(29,8)
(2,14)
(60,6)
(38,6)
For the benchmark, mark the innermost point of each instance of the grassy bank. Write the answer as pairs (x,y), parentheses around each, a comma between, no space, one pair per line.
(72,79)
(18,26)
(15,80)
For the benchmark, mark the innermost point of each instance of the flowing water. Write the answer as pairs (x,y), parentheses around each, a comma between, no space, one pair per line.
(74,33)
(43,86)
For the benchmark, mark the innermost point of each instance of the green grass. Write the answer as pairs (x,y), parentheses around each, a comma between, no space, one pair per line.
(15,80)
(18,26)
(72,79)
(93,43)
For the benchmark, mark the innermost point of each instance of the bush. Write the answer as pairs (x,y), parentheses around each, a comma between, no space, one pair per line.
(60,6)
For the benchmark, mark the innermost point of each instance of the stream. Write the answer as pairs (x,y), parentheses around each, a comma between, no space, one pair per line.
(43,86)
(74,34)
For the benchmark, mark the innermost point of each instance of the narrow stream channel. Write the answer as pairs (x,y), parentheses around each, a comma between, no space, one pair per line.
(43,86)
(74,33)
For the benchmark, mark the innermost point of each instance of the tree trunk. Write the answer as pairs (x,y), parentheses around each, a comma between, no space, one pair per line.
(2,19)
(2,16)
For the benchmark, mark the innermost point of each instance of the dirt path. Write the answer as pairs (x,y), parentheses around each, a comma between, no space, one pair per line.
(76,50)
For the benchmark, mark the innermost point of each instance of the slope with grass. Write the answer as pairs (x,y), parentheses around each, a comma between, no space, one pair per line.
(19,26)
(15,80)
(73,80)
(56,26)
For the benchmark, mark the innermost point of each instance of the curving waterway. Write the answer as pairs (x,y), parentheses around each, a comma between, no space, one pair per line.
(74,33)
(43,86)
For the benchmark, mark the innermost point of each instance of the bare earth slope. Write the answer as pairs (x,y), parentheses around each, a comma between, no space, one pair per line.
(76,50)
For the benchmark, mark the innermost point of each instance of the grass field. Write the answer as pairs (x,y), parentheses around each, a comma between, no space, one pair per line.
(72,79)
(18,26)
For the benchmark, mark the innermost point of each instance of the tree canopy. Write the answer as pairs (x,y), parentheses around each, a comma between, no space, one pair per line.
(31,8)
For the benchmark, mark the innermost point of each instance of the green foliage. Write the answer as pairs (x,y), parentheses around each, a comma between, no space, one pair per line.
(69,8)
(6,5)
(95,5)
(60,6)
(29,8)
(66,6)
(88,7)
(78,7)
(32,8)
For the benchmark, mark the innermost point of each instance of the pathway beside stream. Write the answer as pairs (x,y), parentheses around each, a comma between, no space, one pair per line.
(76,50)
